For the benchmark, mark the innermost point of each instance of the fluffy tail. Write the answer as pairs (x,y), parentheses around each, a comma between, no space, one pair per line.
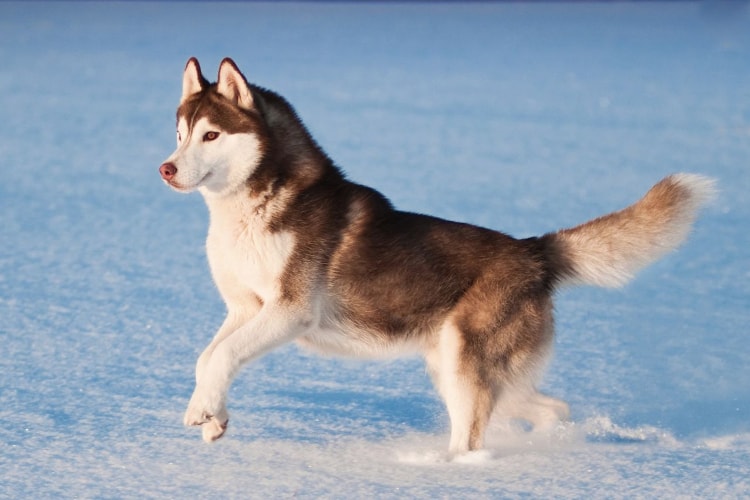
(609,250)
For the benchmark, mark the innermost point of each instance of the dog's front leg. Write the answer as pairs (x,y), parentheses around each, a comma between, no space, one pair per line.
(272,326)
(236,317)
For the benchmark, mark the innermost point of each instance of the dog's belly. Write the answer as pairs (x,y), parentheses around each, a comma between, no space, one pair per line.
(359,343)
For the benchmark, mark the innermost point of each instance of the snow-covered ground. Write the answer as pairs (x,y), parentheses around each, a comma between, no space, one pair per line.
(524,118)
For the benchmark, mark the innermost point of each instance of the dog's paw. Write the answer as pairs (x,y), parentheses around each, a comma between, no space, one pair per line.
(214,429)
(196,416)
(213,424)
(549,415)
(562,410)
(203,410)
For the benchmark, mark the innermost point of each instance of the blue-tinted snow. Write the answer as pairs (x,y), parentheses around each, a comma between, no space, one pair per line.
(524,118)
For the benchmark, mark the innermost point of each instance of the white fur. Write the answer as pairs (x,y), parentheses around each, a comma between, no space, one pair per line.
(330,335)
(443,364)
(702,190)
(217,167)
(349,341)
(232,85)
(247,262)
(271,327)
(243,255)
(612,253)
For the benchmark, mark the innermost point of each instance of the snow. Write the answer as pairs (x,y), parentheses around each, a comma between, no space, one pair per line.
(521,117)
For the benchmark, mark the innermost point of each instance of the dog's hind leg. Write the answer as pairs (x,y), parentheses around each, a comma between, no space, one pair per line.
(541,411)
(546,411)
(468,398)
(496,350)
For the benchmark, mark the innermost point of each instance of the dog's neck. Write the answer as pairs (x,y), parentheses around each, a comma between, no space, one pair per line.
(267,193)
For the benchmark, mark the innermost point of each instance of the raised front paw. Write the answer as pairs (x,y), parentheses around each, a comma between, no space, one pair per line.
(214,429)
(213,417)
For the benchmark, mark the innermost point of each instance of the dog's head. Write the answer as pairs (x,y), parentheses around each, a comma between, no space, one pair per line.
(220,133)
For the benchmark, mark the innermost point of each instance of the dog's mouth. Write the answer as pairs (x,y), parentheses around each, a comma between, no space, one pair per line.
(186,189)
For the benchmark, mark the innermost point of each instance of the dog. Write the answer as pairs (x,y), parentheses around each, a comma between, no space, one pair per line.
(300,253)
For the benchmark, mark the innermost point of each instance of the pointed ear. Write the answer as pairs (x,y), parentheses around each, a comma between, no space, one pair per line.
(233,86)
(192,79)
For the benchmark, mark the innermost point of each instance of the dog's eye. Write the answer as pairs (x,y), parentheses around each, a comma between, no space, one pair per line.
(179,137)
(210,136)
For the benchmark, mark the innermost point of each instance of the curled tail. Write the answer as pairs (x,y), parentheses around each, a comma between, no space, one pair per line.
(609,250)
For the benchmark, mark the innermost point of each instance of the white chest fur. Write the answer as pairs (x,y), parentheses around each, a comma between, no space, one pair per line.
(245,257)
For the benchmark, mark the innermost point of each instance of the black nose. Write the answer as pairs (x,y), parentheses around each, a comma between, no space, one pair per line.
(168,171)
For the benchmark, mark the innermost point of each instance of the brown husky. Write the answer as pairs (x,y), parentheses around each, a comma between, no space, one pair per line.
(298,252)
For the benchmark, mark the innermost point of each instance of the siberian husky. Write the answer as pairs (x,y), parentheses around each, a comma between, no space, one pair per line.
(300,253)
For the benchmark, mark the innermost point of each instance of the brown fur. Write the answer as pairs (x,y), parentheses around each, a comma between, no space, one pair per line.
(369,279)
